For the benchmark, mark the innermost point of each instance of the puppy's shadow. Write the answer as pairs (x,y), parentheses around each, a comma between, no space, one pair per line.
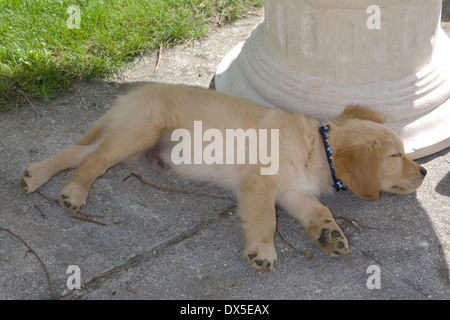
(443,187)
(403,233)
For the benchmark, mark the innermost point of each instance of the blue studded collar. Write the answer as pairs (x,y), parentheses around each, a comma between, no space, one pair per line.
(338,185)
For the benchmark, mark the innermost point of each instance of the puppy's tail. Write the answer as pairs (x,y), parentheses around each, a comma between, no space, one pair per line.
(92,135)
(359,112)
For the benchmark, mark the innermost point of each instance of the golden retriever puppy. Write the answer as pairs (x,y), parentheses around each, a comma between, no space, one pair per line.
(177,123)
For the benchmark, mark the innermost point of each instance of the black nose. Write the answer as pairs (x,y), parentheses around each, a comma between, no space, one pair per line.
(423,171)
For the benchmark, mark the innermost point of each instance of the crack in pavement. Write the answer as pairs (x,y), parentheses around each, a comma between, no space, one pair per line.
(143,257)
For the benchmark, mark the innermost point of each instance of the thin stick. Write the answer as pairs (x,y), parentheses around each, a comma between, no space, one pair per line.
(49,283)
(175,190)
(159,58)
(307,254)
(50,200)
(104,275)
(87,215)
(360,226)
(89,220)
(131,290)
(40,211)
(352,221)
(35,111)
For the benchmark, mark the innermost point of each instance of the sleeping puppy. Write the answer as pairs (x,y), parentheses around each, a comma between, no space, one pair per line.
(366,156)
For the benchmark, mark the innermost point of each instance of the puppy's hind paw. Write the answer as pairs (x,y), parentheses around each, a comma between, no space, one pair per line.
(27,183)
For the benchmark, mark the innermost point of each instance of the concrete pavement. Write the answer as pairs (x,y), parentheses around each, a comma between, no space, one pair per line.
(155,244)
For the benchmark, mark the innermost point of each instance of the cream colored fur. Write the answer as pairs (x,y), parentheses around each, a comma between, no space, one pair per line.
(369,158)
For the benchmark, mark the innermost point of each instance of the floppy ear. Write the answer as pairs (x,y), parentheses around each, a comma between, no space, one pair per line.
(359,167)
(358,112)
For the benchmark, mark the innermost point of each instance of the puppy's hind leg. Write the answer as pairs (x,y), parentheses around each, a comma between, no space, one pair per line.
(35,175)
(117,145)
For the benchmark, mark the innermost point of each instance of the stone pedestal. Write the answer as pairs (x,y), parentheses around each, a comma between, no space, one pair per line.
(317,56)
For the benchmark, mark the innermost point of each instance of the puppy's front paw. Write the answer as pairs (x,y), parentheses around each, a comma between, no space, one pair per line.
(73,197)
(332,240)
(261,256)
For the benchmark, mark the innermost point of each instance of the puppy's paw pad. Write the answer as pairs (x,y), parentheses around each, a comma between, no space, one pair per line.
(23,184)
(26,182)
(73,198)
(262,257)
(71,204)
(68,205)
(333,242)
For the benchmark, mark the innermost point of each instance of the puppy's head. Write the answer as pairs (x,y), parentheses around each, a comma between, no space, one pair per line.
(369,157)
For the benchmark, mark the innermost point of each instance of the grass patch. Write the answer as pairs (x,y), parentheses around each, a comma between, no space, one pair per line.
(40,55)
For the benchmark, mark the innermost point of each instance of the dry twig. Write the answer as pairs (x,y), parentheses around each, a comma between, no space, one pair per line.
(358,225)
(49,283)
(159,59)
(50,200)
(40,211)
(175,190)
(87,215)
(100,277)
(89,220)
(32,105)
(308,253)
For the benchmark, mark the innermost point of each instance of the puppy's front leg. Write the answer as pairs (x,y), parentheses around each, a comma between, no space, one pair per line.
(257,210)
(316,220)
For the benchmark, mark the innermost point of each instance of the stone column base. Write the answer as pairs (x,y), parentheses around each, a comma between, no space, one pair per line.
(417,106)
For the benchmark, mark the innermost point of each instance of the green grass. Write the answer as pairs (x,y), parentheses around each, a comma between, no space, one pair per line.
(40,56)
